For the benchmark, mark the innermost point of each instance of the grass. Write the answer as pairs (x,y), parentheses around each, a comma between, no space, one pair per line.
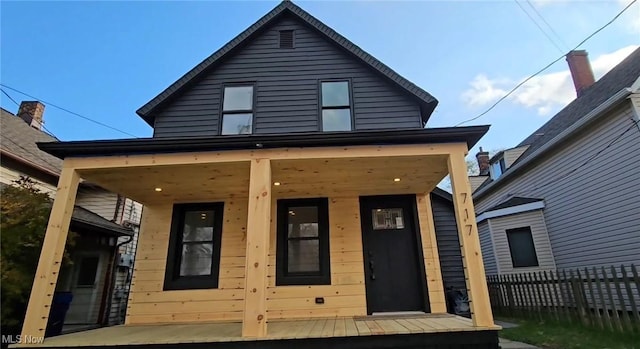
(551,334)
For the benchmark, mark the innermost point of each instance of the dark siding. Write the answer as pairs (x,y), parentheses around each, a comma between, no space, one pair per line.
(286,93)
(448,243)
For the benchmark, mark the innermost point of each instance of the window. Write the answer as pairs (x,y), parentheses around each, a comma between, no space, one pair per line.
(286,39)
(194,248)
(237,110)
(523,251)
(336,106)
(497,168)
(303,242)
(88,271)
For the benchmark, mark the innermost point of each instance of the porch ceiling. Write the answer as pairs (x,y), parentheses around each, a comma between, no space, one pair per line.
(357,176)
(298,178)
(179,183)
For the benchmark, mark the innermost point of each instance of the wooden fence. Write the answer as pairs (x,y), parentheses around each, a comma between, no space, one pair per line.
(608,298)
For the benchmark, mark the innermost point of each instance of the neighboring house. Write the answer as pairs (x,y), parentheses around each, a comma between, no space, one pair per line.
(102,220)
(567,196)
(289,200)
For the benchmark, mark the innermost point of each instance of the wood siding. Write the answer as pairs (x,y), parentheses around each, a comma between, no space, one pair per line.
(287,89)
(148,303)
(346,294)
(532,219)
(8,176)
(488,252)
(592,215)
(448,243)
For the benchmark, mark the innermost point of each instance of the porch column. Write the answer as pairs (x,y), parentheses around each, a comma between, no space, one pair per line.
(254,323)
(44,283)
(437,301)
(469,241)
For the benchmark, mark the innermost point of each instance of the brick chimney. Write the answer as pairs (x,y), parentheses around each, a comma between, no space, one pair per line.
(580,70)
(483,162)
(32,112)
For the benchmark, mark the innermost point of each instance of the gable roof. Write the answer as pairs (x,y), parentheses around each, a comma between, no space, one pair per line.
(612,84)
(427,101)
(621,76)
(18,141)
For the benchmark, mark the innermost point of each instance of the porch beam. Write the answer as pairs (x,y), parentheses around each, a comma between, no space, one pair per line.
(104,162)
(469,242)
(46,278)
(254,323)
(435,287)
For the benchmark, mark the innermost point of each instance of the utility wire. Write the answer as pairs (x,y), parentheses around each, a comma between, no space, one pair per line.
(41,124)
(546,67)
(547,23)
(69,111)
(551,40)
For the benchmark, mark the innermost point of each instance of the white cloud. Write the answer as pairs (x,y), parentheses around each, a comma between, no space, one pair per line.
(543,92)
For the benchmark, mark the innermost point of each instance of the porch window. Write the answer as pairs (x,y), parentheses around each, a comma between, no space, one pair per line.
(237,110)
(336,106)
(303,242)
(523,251)
(194,247)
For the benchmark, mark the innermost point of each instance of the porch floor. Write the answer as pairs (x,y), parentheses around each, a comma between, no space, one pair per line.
(277,330)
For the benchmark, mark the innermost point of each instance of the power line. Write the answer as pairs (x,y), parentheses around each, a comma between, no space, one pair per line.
(6,94)
(546,67)
(547,23)
(551,40)
(41,124)
(69,111)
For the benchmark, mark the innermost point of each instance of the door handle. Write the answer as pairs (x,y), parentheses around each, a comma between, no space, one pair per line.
(371,268)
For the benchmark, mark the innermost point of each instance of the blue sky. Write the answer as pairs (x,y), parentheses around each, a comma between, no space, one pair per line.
(106,59)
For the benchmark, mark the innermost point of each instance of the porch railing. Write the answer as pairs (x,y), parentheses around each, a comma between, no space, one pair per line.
(608,298)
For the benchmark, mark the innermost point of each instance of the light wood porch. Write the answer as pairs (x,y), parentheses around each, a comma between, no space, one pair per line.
(340,327)
(250,182)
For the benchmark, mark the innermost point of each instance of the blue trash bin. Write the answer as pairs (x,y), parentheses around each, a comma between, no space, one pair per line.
(59,307)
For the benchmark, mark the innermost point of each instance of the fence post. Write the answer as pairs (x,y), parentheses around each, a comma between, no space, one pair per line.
(510,298)
(578,296)
(623,308)
(627,286)
(594,301)
(614,309)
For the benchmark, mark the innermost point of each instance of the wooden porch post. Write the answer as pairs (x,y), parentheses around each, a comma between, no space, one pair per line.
(44,284)
(435,287)
(254,323)
(469,241)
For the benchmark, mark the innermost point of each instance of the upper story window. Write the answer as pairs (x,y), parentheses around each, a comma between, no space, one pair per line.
(193,259)
(336,106)
(497,168)
(237,110)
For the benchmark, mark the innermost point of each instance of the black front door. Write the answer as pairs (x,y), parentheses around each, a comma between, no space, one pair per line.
(394,270)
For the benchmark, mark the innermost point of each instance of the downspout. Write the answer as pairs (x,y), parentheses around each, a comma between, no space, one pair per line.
(111,281)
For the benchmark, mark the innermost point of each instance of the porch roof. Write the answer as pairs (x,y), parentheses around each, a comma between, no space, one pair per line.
(469,135)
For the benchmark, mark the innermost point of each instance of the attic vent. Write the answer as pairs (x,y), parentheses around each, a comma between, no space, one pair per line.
(286,39)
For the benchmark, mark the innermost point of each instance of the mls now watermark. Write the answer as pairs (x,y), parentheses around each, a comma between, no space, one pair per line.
(21,339)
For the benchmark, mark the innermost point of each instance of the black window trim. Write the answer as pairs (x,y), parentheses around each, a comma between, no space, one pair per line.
(535,253)
(350,107)
(302,278)
(172,279)
(251,111)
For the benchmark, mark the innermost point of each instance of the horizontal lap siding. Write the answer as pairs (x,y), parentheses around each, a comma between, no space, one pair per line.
(148,303)
(592,215)
(532,219)
(486,244)
(346,294)
(286,92)
(448,243)
(98,201)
